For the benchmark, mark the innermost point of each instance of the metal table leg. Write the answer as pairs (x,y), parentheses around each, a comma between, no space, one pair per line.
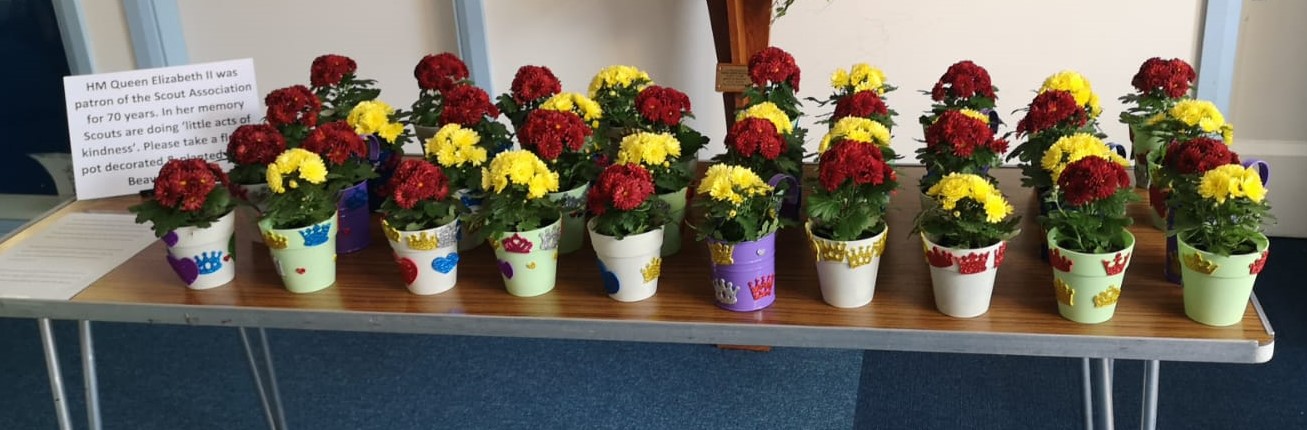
(1104,400)
(1152,375)
(1087,391)
(265,377)
(89,376)
(56,377)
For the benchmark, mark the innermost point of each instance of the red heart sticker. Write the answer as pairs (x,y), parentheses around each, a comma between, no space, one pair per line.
(408,269)
(300,270)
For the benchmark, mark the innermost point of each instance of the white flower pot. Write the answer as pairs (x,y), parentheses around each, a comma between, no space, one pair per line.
(202,257)
(846,270)
(963,279)
(427,259)
(629,267)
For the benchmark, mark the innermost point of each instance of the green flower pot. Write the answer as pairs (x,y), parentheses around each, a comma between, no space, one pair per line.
(1142,143)
(1087,286)
(676,216)
(305,257)
(571,204)
(528,260)
(1217,288)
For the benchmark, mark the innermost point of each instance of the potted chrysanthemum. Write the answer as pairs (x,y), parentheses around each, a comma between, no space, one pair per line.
(1186,120)
(348,170)
(614,88)
(383,130)
(959,141)
(627,231)
(965,234)
(300,224)
(560,137)
(774,80)
(657,153)
(422,227)
(436,74)
(522,222)
(739,222)
(1052,115)
(663,110)
(531,86)
(1158,84)
(250,149)
(860,92)
(191,211)
(965,85)
(334,81)
(460,153)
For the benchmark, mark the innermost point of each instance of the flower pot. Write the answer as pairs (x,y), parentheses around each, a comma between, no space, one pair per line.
(927,202)
(744,274)
(203,257)
(469,238)
(528,260)
(424,133)
(427,259)
(254,194)
(571,205)
(846,270)
(1142,143)
(355,219)
(1087,286)
(384,161)
(304,257)
(963,279)
(630,266)
(1217,288)
(676,201)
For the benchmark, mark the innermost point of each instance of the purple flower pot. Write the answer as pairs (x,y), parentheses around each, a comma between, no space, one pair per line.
(355,219)
(384,162)
(744,274)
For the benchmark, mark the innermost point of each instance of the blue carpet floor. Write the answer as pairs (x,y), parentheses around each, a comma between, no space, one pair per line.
(166,377)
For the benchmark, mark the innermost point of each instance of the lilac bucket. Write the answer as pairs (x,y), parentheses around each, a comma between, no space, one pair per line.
(384,161)
(744,274)
(355,219)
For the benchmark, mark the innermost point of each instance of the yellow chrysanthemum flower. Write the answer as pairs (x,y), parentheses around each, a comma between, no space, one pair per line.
(839,79)
(519,167)
(1071,148)
(1227,134)
(1198,113)
(975,114)
(863,77)
(858,129)
(576,103)
(306,164)
(1078,86)
(618,76)
(770,112)
(373,117)
(728,183)
(455,146)
(955,187)
(1231,181)
(648,149)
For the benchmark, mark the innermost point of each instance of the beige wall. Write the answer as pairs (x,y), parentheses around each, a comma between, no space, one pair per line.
(111,45)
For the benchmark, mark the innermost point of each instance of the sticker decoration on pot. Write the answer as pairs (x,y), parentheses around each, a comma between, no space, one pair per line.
(1060,262)
(879,247)
(445,264)
(421,242)
(722,254)
(1117,264)
(447,236)
(1000,254)
(185,269)
(506,269)
(300,270)
(408,269)
(531,265)
(828,250)
(860,256)
(762,287)
(1256,266)
(938,257)
(652,270)
(274,240)
(549,237)
(390,232)
(209,262)
(726,291)
(1065,295)
(611,284)
(317,234)
(973,263)
(1108,297)
(516,244)
(170,239)
(1197,263)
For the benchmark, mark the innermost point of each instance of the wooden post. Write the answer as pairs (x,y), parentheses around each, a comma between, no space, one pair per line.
(740,29)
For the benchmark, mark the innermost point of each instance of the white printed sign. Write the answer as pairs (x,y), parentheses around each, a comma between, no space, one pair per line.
(124,126)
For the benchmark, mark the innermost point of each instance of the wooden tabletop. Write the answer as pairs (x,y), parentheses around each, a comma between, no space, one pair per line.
(1023,317)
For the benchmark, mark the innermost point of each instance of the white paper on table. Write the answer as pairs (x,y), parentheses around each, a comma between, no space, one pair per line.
(70,254)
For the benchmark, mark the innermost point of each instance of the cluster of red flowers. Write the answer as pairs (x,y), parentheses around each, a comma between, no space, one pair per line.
(417,180)
(185,183)
(1051,108)
(773,65)
(547,132)
(1171,77)
(466,105)
(862,104)
(755,135)
(1091,179)
(1197,156)
(534,83)
(336,142)
(292,105)
(662,105)
(328,70)
(440,72)
(255,144)
(963,134)
(963,80)
(861,162)
(622,187)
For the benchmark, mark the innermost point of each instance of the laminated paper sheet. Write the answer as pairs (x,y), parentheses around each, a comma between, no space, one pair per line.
(69,255)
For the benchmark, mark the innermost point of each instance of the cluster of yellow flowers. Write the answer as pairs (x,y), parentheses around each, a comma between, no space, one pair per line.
(729,183)
(618,76)
(1078,86)
(579,104)
(770,112)
(957,186)
(1204,115)
(1071,148)
(519,167)
(373,117)
(862,77)
(975,114)
(307,163)
(456,146)
(648,149)
(1232,181)
(857,129)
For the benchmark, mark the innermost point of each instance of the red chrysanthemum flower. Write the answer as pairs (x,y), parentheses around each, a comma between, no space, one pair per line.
(185,183)
(772,66)
(662,105)
(416,180)
(1197,156)
(466,105)
(1051,108)
(440,72)
(1091,179)
(1169,77)
(534,83)
(548,132)
(963,80)
(620,186)
(862,104)
(329,69)
(850,160)
(755,136)
(336,142)
(293,105)
(255,144)
(963,134)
